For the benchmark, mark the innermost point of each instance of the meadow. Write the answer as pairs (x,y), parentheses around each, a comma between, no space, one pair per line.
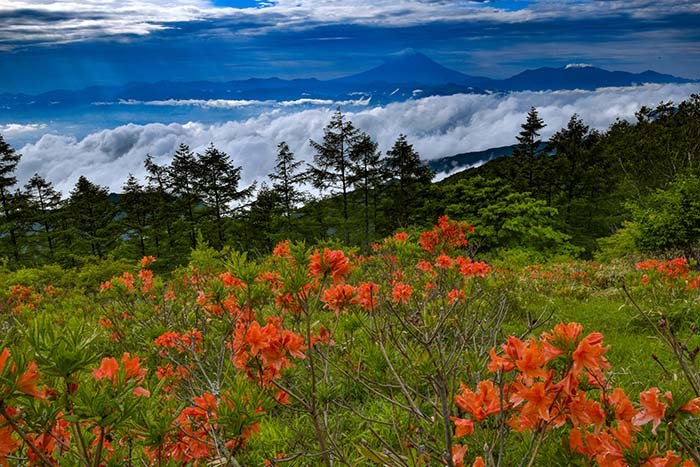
(418,353)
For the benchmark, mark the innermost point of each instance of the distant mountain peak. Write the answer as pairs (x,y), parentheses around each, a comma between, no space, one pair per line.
(411,67)
(409,52)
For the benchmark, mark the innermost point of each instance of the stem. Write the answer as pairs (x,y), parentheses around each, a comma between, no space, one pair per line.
(76,429)
(23,435)
(688,448)
(98,454)
(501,419)
(442,391)
(671,342)
(540,438)
(313,409)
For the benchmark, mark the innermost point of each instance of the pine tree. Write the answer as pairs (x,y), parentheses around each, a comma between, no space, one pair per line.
(569,145)
(261,218)
(528,147)
(366,173)
(90,212)
(183,173)
(408,175)
(44,203)
(8,201)
(218,185)
(286,180)
(331,169)
(133,205)
(160,201)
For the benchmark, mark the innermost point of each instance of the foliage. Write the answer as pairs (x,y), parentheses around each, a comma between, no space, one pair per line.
(670,219)
(320,355)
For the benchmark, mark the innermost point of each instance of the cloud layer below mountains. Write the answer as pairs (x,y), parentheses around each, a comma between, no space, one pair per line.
(437,126)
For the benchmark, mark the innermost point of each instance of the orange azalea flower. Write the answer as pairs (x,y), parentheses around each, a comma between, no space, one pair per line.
(482,403)
(692,406)
(585,412)
(108,369)
(693,284)
(4,356)
(428,240)
(531,360)
(27,382)
(624,410)
(48,441)
(653,410)
(283,249)
(146,276)
(147,261)
(538,401)
(230,280)
(168,339)
(576,441)
(455,296)
(132,367)
(563,338)
(127,280)
(271,343)
(424,266)
(443,261)
(463,426)
(458,453)
(499,363)
(8,444)
(141,392)
(401,237)
(624,433)
(367,295)
(470,268)
(337,297)
(479,462)
(331,263)
(294,344)
(401,292)
(589,354)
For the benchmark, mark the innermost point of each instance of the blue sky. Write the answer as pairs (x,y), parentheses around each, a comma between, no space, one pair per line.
(48,44)
(71,44)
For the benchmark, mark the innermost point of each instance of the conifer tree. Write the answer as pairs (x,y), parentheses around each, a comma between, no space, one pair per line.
(8,200)
(183,173)
(569,145)
(286,180)
(90,212)
(218,185)
(366,173)
(331,168)
(408,174)
(161,202)
(261,218)
(528,146)
(133,205)
(44,203)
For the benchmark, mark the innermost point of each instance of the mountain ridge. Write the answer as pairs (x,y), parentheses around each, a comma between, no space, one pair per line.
(401,77)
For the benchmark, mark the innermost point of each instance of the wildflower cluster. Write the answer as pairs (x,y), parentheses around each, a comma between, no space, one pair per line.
(558,382)
(673,272)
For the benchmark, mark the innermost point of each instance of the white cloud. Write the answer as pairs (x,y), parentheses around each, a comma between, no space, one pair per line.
(437,126)
(73,21)
(236,103)
(16,129)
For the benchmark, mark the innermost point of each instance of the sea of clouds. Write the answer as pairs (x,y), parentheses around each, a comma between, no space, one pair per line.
(437,126)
